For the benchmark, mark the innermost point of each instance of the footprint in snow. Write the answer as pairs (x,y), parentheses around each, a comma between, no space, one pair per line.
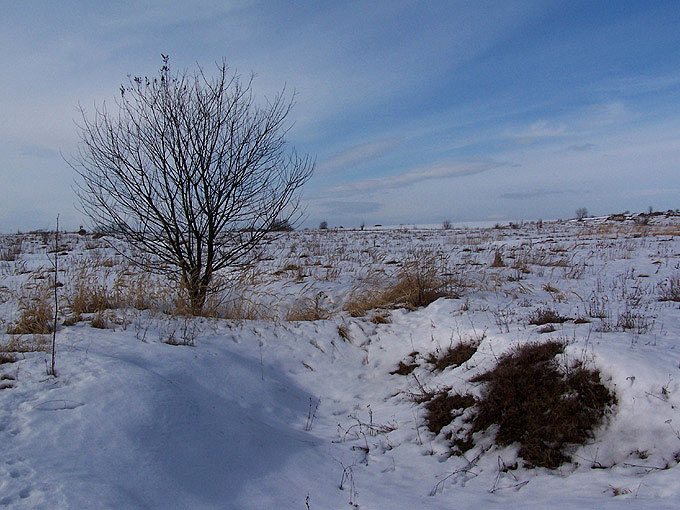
(57,405)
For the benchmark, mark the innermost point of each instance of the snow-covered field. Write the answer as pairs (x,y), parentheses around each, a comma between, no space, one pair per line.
(266,410)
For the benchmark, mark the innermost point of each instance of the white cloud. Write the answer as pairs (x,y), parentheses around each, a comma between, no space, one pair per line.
(358,154)
(414,176)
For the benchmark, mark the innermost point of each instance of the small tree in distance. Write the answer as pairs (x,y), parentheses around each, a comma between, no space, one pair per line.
(581,213)
(323,225)
(191,171)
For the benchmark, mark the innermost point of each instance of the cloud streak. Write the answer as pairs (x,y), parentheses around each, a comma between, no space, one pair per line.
(358,155)
(417,175)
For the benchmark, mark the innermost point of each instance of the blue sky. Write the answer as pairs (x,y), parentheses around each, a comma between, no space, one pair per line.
(417,112)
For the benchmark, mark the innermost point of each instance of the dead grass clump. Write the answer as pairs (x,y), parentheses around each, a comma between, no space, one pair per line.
(543,316)
(540,403)
(343,332)
(407,365)
(88,296)
(35,316)
(454,356)
(101,320)
(422,279)
(669,289)
(24,343)
(443,408)
(498,260)
(308,309)
(7,357)
(381,317)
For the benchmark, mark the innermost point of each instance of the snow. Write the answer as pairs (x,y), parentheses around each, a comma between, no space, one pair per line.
(232,421)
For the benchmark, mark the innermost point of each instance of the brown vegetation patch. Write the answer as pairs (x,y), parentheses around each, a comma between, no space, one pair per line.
(454,356)
(545,316)
(407,365)
(669,289)
(543,405)
(7,357)
(421,280)
(443,408)
(35,316)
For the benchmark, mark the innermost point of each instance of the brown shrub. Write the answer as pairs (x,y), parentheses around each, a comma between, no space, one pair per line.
(543,405)
(422,279)
(454,356)
(35,315)
(309,309)
(669,289)
(443,408)
(406,366)
(498,260)
(7,357)
(545,316)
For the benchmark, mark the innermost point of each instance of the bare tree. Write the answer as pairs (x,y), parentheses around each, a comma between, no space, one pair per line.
(190,170)
(581,213)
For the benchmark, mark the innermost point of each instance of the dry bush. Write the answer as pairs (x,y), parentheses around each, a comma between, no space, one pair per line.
(407,365)
(422,279)
(86,295)
(101,320)
(498,259)
(11,252)
(442,408)
(309,309)
(669,289)
(35,314)
(543,316)
(6,357)
(23,343)
(544,405)
(454,356)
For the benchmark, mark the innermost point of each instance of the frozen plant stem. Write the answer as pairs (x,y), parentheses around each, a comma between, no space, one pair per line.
(56,296)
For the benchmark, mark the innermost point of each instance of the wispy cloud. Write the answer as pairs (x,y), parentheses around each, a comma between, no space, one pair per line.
(526,195)
(358,155)
(38,151)
(582,147)
(417,175)
(350,207)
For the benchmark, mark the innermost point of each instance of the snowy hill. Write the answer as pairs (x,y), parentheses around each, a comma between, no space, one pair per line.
(271,412)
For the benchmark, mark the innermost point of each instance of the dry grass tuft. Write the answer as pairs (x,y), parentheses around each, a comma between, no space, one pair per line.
(26,343)
(454,356)
(7,357)
(407,365)
(422,279)
(309,309)
(35,315)
(443,408)
(544,316)
(543,405)
(669,289)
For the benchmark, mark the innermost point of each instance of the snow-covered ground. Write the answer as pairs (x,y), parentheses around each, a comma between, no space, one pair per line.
(278,413)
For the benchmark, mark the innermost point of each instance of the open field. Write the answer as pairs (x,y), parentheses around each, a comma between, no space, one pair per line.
(318,376)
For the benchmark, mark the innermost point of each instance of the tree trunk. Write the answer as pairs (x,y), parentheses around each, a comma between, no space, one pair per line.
(196,288)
